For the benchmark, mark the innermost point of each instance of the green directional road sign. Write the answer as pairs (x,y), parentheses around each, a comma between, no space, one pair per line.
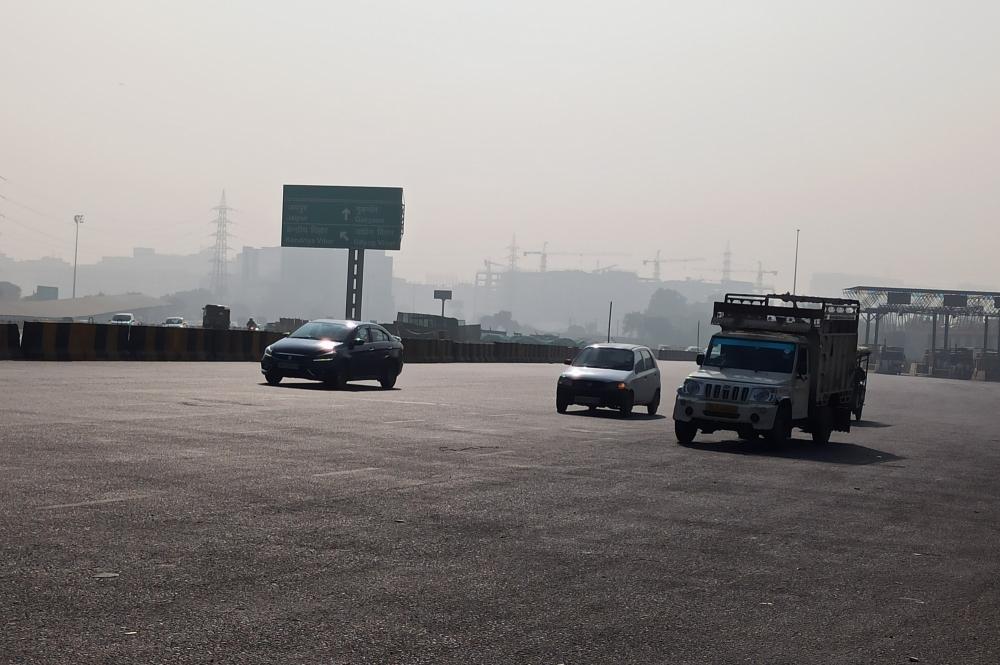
(344,217)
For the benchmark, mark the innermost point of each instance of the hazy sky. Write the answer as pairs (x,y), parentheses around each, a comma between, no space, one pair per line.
(621,127)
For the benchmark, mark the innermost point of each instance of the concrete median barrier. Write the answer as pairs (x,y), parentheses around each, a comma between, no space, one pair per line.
(10,341)
(87,341)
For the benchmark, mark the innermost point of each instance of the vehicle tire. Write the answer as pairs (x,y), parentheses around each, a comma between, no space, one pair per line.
(625,408)
(388,378)
(591,409)
(781,431)
(273,378)
(654,405)
(857,414)
(685,432)
(336,381)
(561,404)
(823,426)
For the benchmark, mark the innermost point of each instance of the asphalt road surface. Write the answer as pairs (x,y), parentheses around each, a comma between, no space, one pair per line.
(188,513)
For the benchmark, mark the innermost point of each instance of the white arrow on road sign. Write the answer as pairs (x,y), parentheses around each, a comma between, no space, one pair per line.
(343,236)
(346,212)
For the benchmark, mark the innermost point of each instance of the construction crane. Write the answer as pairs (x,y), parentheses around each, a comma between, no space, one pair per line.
(657,261)
(544,255)
(760,272)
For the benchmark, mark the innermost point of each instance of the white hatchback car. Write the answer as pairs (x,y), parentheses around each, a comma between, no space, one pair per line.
(618,376)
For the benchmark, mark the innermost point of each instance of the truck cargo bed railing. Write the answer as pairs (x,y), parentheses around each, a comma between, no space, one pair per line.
(797,314)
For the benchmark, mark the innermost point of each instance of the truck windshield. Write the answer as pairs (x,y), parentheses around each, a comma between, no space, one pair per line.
(620,359)
(754,354)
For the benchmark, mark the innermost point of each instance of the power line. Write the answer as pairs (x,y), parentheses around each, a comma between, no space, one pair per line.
(24,225)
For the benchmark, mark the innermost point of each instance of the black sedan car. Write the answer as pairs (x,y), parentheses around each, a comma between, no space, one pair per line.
(335,352)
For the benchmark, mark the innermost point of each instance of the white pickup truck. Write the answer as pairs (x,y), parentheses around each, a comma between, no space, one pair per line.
(780,362)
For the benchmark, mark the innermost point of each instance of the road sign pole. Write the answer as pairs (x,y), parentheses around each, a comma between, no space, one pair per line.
(355,283)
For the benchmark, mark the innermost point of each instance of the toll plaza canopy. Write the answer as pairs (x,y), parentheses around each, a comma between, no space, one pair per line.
(897,300)
(948,304)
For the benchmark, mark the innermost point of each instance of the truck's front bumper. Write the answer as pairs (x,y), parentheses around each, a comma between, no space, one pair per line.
(725,415)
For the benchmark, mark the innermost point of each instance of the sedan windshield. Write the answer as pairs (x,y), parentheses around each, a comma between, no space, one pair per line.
(754,354)
(336,332)
(121,317)
(603,358)
(175,321)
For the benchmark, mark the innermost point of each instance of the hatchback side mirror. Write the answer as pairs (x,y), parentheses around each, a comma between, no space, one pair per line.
(700,358)
(567,362)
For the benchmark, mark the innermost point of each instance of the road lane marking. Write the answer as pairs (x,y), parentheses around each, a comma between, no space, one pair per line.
(399,422)
(582,431)
(95,502)
(344,472)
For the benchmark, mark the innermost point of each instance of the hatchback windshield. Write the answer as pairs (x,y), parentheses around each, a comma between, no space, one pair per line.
(753,354)
(336,332)
(592,356)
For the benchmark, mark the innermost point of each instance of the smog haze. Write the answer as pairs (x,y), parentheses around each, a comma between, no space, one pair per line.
(596,127)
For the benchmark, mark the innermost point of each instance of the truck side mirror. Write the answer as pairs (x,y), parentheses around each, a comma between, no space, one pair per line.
(700,358)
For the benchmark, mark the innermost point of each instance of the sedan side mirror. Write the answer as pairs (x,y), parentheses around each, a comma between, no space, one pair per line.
(568,361)
(357,341)
(700,358)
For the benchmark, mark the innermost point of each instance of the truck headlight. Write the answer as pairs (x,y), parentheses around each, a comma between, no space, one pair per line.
(692,388)
(761,395)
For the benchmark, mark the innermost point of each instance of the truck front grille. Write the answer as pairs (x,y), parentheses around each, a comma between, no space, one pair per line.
(726,393)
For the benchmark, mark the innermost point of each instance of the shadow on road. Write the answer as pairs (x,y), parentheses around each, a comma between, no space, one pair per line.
(870,423)
(831,453)
(316,385)
(613,415)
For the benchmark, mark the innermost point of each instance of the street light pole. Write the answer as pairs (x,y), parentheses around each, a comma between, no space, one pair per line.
(795,274)
(78,220)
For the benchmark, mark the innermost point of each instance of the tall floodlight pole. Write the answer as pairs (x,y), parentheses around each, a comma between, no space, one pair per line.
(78,220)
(611,307)
(795,274)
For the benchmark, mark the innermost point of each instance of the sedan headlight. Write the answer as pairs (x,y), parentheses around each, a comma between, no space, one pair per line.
(761,395)
(267,352)
(692,388)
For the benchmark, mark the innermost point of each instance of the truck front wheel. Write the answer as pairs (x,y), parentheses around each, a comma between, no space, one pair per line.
(781,431)
(685,431)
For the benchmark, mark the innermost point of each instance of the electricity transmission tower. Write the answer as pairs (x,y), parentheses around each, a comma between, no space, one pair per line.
(219,284)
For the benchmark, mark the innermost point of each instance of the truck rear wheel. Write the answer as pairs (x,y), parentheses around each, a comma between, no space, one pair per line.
(822,426)
(685,431)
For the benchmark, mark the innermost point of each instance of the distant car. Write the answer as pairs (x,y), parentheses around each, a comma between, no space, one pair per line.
(174,322)
(123,319)
(335,352)
(618,376)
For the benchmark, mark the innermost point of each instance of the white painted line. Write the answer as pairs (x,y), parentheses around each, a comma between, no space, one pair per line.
(502,415)
(582,431)
(96,502)
(344,472)
(399,422)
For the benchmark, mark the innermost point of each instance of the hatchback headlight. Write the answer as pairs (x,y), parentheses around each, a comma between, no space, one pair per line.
(267,351)
(692,388)
(761,395)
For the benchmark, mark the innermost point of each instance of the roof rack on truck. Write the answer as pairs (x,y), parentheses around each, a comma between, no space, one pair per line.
(787,313)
